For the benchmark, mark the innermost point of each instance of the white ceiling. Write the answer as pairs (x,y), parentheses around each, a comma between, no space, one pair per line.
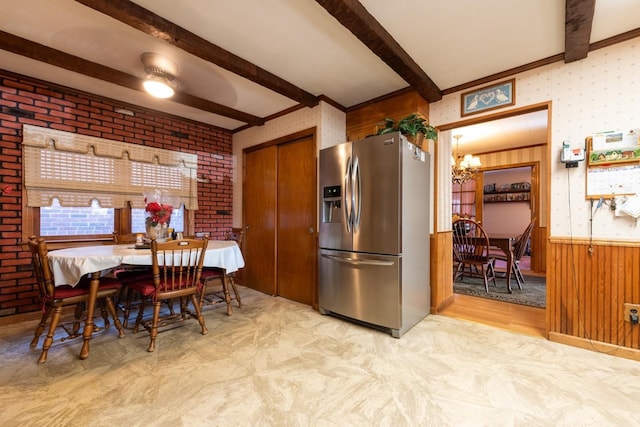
(518,131)
(453,42)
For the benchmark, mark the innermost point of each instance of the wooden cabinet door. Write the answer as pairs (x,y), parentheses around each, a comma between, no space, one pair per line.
(259,205)
(296,247)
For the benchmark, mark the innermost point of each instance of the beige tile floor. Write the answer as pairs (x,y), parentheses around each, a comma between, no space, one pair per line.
(276,362)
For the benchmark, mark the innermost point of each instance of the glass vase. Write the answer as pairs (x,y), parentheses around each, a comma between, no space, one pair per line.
(158,231)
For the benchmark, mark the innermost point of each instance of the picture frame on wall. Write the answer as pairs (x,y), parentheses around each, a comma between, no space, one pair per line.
(487,98)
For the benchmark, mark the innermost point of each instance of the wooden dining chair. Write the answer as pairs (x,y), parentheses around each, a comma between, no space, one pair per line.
(216,287)
(471,251)
(127,274)
(55,298)
(519,249)
(177,266)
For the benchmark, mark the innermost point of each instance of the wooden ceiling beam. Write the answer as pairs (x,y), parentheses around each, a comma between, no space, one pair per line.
(38,52)
(148,22)
(577,28)
(353,16)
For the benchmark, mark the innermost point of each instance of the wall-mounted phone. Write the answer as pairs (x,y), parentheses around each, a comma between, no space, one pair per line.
(571,156)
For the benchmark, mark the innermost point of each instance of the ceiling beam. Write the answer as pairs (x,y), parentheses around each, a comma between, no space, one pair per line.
(577,28)
(29,49)
(148,22)
(353,16)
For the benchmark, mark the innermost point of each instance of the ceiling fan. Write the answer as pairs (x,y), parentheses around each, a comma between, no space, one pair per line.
(160,80)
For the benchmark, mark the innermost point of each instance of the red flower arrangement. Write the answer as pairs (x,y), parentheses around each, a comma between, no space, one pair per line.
(158,213)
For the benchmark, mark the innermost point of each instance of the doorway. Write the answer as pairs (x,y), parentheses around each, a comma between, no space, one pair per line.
(498,146)
(510,140)
(279,216)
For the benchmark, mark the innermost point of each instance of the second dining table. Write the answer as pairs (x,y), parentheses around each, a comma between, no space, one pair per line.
(505,243)
(71,264)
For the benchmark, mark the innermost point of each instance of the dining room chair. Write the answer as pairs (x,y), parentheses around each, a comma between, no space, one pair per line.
(216,288)
(519,249)
(471,252)
(54,298)
(127,274)
(176,266)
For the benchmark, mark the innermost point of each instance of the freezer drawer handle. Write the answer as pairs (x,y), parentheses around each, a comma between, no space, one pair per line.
(358,261)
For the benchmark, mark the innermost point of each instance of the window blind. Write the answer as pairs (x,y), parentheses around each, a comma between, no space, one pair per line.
(76,169)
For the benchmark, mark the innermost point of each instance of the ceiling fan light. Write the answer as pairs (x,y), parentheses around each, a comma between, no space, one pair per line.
(157,86)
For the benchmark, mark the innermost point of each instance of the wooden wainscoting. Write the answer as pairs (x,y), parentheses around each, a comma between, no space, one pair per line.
(539,247)
(587,286)
(441,271)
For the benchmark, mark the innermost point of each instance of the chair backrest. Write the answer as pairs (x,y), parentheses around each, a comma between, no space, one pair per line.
(177,264)
(470,241)
(236,234)
(40,259)
(521,244)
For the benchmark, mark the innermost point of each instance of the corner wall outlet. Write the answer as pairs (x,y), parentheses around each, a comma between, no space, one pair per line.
(631,312)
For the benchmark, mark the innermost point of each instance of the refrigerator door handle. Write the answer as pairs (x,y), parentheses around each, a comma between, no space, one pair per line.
(358,261)
(357,200)
(347,196)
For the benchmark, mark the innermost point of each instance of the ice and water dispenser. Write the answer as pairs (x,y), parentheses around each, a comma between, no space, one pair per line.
(332,204)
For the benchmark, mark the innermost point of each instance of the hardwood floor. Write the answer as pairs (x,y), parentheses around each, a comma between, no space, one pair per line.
(513,317)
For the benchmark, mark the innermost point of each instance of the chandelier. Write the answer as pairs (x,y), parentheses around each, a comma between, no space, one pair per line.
(463,166)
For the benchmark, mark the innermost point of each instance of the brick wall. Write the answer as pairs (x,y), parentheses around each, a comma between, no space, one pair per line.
(28,101)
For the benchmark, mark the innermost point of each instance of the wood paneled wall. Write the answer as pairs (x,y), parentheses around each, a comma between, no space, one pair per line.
(441,271)
(363,120)
(587,286)
(539,246)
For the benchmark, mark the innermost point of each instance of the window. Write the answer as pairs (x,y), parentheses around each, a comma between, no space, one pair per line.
(77,185)
(59,221)
(463,199)
(138,217)
(56,220)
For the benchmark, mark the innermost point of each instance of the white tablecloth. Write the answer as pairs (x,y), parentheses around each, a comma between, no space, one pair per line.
(69,265)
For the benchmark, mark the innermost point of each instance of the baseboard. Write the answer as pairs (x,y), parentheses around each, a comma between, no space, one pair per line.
(443,305)
(597,346)
(20,318)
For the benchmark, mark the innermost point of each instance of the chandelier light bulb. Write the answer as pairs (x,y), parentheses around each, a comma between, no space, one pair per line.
(464,167)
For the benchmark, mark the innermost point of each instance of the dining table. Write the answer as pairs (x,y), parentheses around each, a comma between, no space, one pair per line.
(504,242)
(69,265)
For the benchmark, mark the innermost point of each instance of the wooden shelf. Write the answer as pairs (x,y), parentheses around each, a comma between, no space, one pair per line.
(506,192)
(507,197)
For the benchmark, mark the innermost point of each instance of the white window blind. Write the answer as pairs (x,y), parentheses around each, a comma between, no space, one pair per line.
(76,169)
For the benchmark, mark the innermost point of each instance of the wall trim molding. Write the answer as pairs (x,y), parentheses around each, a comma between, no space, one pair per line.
(595,242)
(597,346)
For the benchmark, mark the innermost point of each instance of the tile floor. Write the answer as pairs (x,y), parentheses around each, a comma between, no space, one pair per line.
(276,362)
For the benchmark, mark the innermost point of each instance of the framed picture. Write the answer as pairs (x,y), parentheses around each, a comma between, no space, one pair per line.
(488,98)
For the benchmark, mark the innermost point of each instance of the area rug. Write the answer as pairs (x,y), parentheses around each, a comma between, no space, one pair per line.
(533,292)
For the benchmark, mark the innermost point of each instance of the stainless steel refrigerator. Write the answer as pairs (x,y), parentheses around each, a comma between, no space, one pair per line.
(374,232)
